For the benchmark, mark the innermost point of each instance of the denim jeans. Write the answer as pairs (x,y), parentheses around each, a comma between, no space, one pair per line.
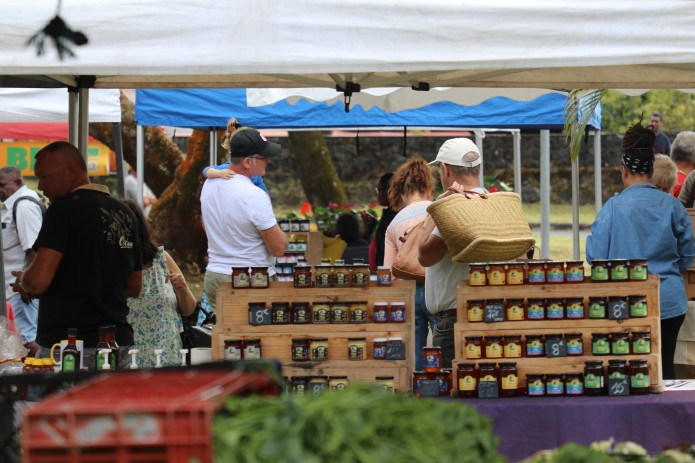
(424,322)
(26,316)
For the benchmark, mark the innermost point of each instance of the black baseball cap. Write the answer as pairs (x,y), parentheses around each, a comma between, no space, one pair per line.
(248,142)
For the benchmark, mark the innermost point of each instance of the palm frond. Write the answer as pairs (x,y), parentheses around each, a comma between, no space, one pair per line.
(580,106)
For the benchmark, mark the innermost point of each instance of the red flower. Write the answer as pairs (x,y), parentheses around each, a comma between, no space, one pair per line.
(305,209)
(332,205)
(372,205)
(493,189)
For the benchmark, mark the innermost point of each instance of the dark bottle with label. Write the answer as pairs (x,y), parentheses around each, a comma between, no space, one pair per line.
(102,344)
(71,356)
(115,356)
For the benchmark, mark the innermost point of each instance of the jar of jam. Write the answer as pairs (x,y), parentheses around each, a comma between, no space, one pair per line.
(379,352)
(574,271)
(574,308)
(535,345)
(294,226)
(321,312)
(477,274)
(473,347)
(300,350)
(475,311)
(240,277)
(554,308)
(252,349)
(317,385)
(555,272)
(280,313)
(357,348)
(638,306)
(641,342)
(497,274)
(233,349)
(515,273)
(554,384)
(575,344)
(511,346)
(300,313)
(600,345)
(358,312)
(291,246)
(302,276)
(487,373)
(342,276)
(383,276)
(467,380)
(431,359)
(301,245)
(535,309)
(619,270)
(298,384)
(599,270)
(319,349)
(323,276)
(597,307)
(385,382)
(360,275)
(574,384)
(639,377)
(620,344)
(397,312)
(381,312)
(535,385)
(305,225)
(516,310)
(339,312)
(593,378)
(259,277)
(536,272)
(419,376)
(337,383)
(493,347)
(637,269)
(509,380)
(444,378)
(617,369)
(284,225)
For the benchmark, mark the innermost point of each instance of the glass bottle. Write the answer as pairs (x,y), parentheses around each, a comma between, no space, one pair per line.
(115,356)
(102,344)
(71,356)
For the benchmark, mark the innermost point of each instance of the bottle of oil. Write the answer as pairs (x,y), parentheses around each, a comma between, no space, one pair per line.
(102,344)
(115,357)
(71,356)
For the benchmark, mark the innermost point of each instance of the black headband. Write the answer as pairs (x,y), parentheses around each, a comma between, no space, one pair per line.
(638,165)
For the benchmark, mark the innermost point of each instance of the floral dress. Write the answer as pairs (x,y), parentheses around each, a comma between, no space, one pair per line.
(154,317)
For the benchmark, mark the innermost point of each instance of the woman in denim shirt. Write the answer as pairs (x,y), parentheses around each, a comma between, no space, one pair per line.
(644,222)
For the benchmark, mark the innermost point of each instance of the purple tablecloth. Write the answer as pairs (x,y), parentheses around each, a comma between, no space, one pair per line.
(526,425)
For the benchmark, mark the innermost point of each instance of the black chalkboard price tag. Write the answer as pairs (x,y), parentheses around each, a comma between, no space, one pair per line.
(488,390)
(494,312)
(259,316)
(618,310)
(555,348)
(395,351)
(618,386)
(428,387)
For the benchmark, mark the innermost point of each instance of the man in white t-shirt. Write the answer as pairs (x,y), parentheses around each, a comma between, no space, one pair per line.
(459,166)
(238,216)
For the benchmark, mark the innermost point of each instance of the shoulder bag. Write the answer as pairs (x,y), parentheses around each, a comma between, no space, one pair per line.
(406,266)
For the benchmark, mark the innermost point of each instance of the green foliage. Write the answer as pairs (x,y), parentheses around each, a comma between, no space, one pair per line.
(607,452)
(621,111)
(579,108)
(356,425)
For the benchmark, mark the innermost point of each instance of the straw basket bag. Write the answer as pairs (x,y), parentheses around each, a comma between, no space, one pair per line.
(482,227)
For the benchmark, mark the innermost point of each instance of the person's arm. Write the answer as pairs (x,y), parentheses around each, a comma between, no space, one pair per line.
(39,276)
(134,286)
(598,242)
(220,171)
(275,240)
(390,247)
(184,296)
(432,248)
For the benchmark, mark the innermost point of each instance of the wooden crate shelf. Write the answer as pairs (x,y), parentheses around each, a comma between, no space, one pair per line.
(585,326)
(276,340)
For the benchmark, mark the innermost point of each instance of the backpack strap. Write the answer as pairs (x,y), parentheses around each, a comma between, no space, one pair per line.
(29,198)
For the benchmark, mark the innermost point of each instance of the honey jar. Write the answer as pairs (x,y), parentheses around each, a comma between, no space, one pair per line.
(535,309)
(358,312)
(516,310)
(535,385)
(337,383)
(574,384)
(432,359)
(509,380)
(473,347)
(574,271)
(240,277)
(280,313)
(497,274)
(535,345)
(357,348)
(638,371)
(575,344)
(493,347)
(302,276)
(599,270)
(321,312)
(555,272)
(381,312)
(618,270)
(300,313)
(641,342)
(474,311)
(554,308)
(233,349)
(397,312)
(638,306)
(385,382)
(515,273)
(554,384)
(324,276)
(536,272)
(574,307)
(342,276)
(252,349)
(300,350)
(477,274)
(467,377)
(597,307)
(511,346)
(340,312)
(360,275)
(383,276)
(259,277)
(319,349)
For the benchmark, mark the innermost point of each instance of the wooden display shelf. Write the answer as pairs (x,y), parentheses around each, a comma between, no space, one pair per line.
(402,377)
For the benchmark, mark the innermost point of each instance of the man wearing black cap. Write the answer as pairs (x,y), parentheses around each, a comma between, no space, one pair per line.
(238,216)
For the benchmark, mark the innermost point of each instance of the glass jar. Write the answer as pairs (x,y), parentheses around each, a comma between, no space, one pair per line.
(233,349)
(240,277)
(305,225)
(555,272)
(358,312)
(284,225)
(493,347)
(321,312)
(385,382)
(342,276)
(379,351)
(259,277)
(301,245)
(535,345)
(291,246)
(397,312)
(431,359)
(516,310)
(617,369)
(294,226)
(302,276)
(417,377)
(641,342)
(536,272)
(638,306)
(475,311)
(497,274)
(574,384)
(488,373)
(357,348)
(381,312)
(319,349)
(515,273)
(511,346)
(300,350)
(317,385)
(639,377)
(554,384)
(599,270)
(360,275)
(593,378)
(574,271)
(619,270)
(535,385)
(509,380)
(340,312)
(300,313)
(597,307)
(473,346)
(383,276)
(337,383)
(477,274)
(600,345)
(323,276)
(280,313)
(467,380)
(637,269)
(298,384)
(252,349)
(575,344)
(574,308)
(554,308)
(444,378)
(535,309)
(620,343)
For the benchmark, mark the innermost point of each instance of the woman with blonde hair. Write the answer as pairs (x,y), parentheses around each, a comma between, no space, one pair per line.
(410,193)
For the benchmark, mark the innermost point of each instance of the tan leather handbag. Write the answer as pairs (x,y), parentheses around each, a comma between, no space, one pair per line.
(406,266)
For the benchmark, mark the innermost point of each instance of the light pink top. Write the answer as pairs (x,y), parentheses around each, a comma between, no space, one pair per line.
(406,219)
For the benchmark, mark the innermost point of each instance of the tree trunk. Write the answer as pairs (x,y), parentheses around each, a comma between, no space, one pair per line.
(314,167)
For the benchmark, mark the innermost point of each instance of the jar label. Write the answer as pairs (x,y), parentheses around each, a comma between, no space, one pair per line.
(536,275)
(252,353)
(510,382)
(638,272)
(232,353)
(397,315)
(431,362)
(301,281)
(300,316)
(493,350)
(319,353)
(639,380)
(475,313)
(638,309)
(617,375)
(641,346)
(599,273)
(575,310)
(556,275)
(467,383)
(380,315)
(515,276)
(380,352)
(496,277)
(360,279)
(592,381)
(241,280)
(489,378)
(575,347)
(534,348)
(600,346)
(555,311)
(535,312)
(355,352)
(597,310)
(300,353)
(279,316)
(339,315)
(621,346)
(323,280)
(574,387)
(476,278)
(473,351)
(555,387)
(512,350)
(384,278)
(358,315)
(536,388)
(341,279)
(619,273)
(515,313)
(70,362)
(321,315)
(299,389)
(575,274)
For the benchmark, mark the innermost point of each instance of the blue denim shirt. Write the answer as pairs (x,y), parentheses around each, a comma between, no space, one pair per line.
(642,221)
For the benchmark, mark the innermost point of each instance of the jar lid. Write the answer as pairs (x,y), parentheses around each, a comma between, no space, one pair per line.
(380,339)
(617,362)
(641,362)
(359,302)
(593,363)
(384,267)
(243,269)
(389,378)
(571,335)
(619,260)
(252,341)
(477,264)
(431,347)
(600,335)
(381,303)
(259,268)
(397,303)
(357,339)
(337,377)
(472,337)
(318,378)
(276,304)
(300,303)
(397,338)
(574,262)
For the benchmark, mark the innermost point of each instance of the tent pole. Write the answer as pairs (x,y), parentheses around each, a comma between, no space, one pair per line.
(213,146)
(598,188)
(120,169)
(140,163)
(83,125)
(545,194)
(516,137)
(479,135)
(575,209)
(73,99)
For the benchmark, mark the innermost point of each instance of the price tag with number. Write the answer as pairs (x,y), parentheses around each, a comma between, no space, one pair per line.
(395,351)
(259,316)
(555,347)
(494,312)
(488,390)
(618,310)
(618,386)
(428,387)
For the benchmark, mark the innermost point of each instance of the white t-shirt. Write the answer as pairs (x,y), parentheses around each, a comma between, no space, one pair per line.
(20,237)
(234,211)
